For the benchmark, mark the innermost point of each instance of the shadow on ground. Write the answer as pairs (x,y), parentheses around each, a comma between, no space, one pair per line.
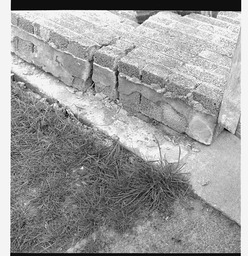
(194,227)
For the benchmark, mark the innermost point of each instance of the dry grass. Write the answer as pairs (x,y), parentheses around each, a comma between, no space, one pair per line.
(66,182)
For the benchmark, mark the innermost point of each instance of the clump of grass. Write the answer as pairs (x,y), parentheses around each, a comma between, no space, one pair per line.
(66,183)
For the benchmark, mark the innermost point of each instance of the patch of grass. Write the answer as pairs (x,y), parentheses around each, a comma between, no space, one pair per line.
(67,179)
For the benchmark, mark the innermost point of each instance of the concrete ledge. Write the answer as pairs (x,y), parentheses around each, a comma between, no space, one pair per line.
(214,169)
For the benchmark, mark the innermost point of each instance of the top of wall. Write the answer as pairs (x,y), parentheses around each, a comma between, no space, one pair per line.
(187,57)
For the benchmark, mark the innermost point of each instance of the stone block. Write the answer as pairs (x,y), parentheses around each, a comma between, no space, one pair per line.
(192,43)
(128,85)
(215,22)
(232,15)
(72,71)
(201,127)
(210,28)
(228,19)
(98,34)
(216,58)
(25,47)
(131,66)
(105,81)
(164,21)
(173,119)
(151,109)
(130,102)
(57,36)
(209,96)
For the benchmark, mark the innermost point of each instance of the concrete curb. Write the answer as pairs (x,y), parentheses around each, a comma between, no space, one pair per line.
(215,169)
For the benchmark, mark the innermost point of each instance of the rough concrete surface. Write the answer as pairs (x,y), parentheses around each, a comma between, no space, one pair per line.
(215,169)
(215,174)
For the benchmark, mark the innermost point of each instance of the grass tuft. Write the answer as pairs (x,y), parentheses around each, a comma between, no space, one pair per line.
(67,179)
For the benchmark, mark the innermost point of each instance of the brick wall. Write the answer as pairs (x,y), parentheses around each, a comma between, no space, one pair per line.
(171,68)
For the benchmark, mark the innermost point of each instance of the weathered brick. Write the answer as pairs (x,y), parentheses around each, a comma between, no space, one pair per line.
(131,66)
(201,127)
(230,20)
(177,26)
(130,102)
(109,19)
(216,58)
(209,96)
(105,81)
(96,33)
(25,47)
(232,15)
(127,85)
(173,119)
(60,37)
(194,44)
(210,28)
(151,109)
(155,74)
(215,22)
(107,57)
(61,64)
(24,21)
(14,19)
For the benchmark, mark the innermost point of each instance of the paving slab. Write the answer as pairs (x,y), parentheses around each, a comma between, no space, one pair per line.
(215,169)
(215,174)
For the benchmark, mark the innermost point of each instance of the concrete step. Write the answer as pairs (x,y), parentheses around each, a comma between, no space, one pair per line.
(172,69)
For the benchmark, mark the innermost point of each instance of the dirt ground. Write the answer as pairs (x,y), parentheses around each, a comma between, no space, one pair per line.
(193,227)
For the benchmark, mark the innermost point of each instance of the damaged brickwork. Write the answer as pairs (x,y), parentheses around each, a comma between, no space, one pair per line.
(171,68)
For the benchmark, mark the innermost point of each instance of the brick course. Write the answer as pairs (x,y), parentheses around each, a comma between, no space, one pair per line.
(172,69)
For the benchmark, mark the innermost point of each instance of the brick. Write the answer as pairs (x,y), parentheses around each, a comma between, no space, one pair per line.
(155,74)
(72,71)
(105,81)
(108,56)
(110,19)
(24,21)
(173,119)
(193,43)
(14,19)
(203,75)
(227,19)
(78,83)
(131,66)
(204,27)
(126,85)
(177,26)
(25,47)
(232,15)
(206,64)
(151,109)
(209,96)
(60,37)
(130,102)
(201,128)
(216,58)
(96,33)
(165,78)
(215,22)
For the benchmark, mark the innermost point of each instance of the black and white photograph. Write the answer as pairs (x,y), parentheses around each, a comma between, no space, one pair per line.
(125,131)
